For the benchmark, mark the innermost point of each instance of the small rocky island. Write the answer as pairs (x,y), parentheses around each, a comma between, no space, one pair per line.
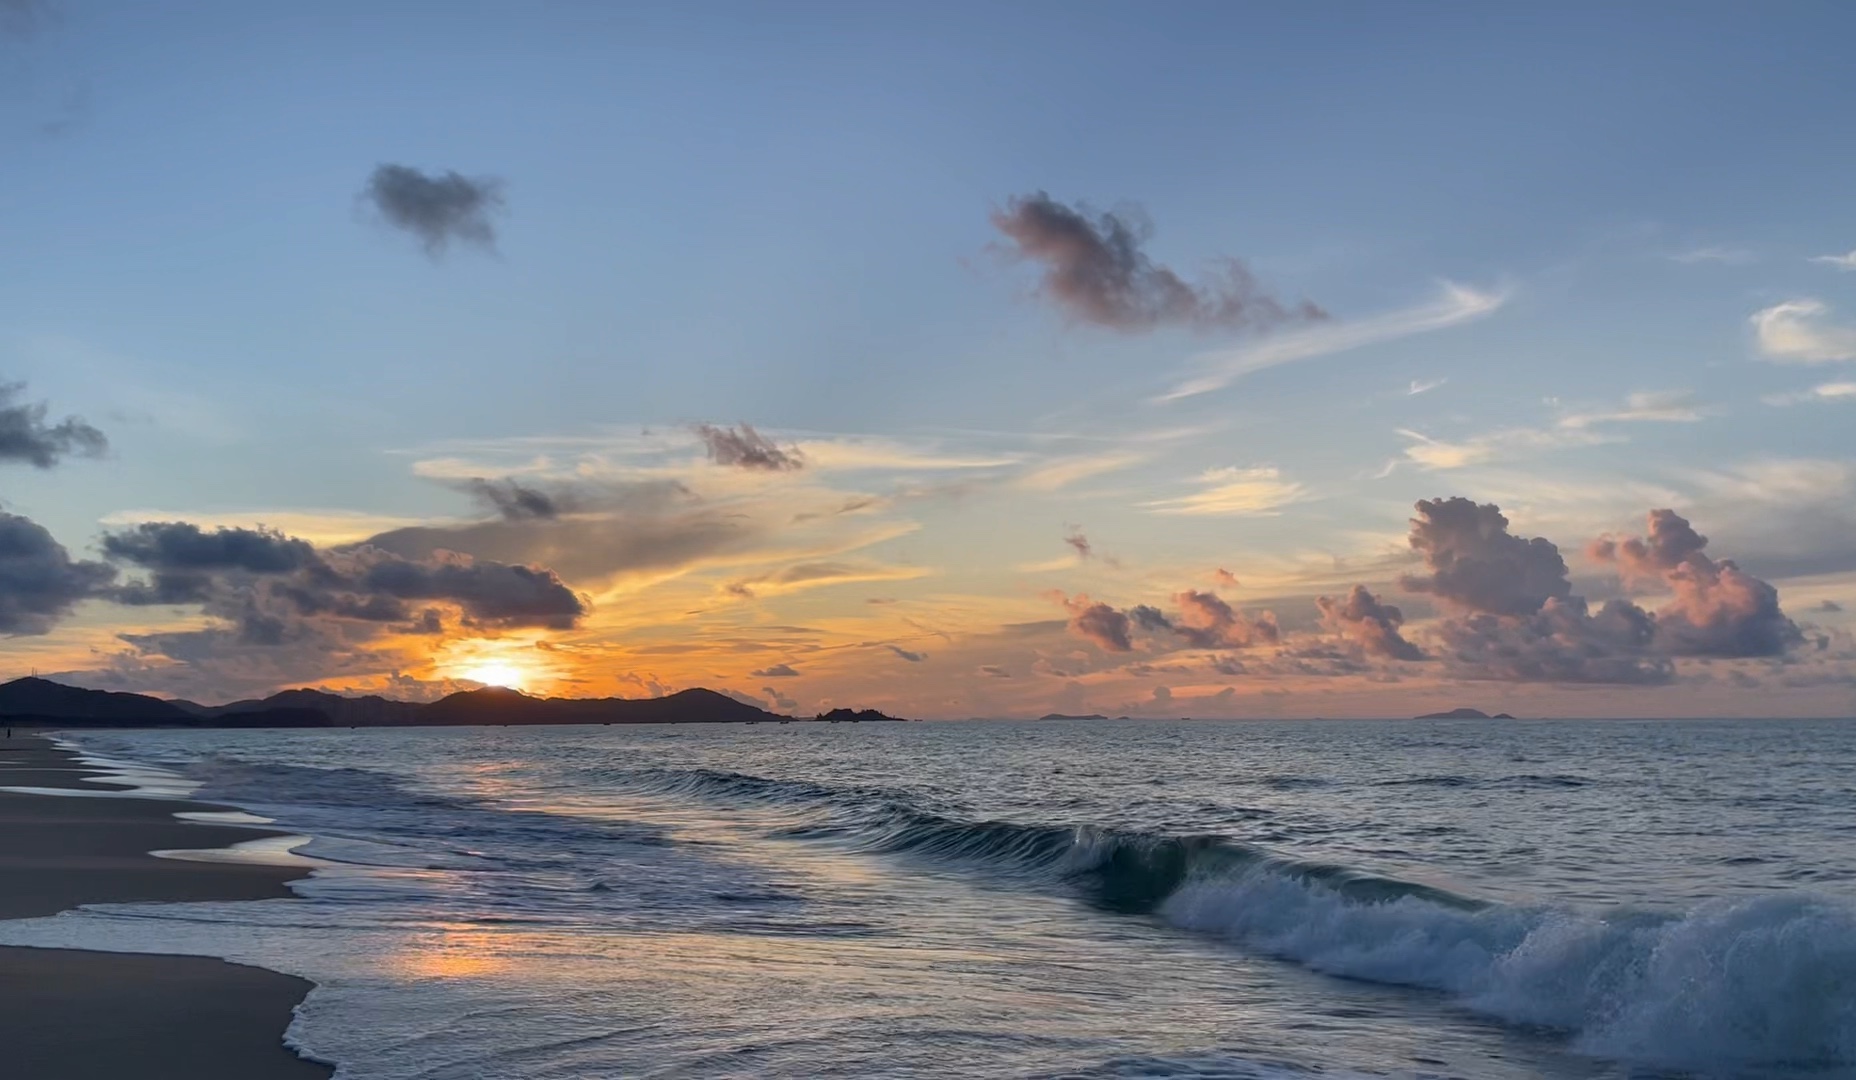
(1067,716)
(1464,714)
(853,716)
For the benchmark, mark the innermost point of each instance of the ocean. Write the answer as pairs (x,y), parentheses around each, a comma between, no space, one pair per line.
(1264,900)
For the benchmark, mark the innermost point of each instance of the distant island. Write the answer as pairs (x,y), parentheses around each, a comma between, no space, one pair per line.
(853,716)
(1068,716)
(1464,714)
(39,702)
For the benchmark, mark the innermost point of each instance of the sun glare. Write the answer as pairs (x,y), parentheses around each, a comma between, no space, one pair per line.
(497,674)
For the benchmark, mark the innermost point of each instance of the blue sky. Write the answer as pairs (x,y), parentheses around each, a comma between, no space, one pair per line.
(780,215)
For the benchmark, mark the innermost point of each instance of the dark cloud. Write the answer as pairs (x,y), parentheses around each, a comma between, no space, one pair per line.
(1093,621)
(1476,565)
(994,671)
(255,577)
(911,657)
(1148,617)
(490,593)
(1080,543)
(1560,643)
(1828,606)
(777,699)
(26,437)
(185,561)
(439,208)
(1363,619)
(515,501)
(745,448)
(1719,610)
(39,582)
(1094,267)
(1225,578)
(777,671)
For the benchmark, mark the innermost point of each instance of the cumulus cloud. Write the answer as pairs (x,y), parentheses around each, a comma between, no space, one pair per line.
(1512,614)
(1091,620)
(1719,610)
(745,448)
(1206,622)
(1224,577)
(1800,332)
(777,699)
(1476,565)
(777,671)
(1360,617)
(437,208)
(1095,269)
(39,581)
(911,657)
(26,437)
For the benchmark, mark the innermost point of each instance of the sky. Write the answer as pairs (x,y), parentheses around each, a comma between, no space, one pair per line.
(959,360)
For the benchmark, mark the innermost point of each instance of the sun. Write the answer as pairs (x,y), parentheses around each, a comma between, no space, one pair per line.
(495,673)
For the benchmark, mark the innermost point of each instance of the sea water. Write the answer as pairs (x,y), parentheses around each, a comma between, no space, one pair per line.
(1060,899)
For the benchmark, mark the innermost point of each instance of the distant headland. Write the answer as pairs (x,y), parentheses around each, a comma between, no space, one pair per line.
(1464,714)
(39,702)
(1069,716)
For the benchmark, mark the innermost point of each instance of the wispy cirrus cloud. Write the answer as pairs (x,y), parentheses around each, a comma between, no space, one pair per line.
(1234,492)
(1800,332)
(1726,256)
(1571,429)
(1061,473)
(1844,262)
(1822,393)
(1219,369)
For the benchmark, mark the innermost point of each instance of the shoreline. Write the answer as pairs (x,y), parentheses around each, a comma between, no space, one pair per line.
(77,1014)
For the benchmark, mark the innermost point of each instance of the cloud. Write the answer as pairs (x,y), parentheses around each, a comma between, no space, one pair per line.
(1571,429)
(1718,611)
(515,501)
(1823,393)
(812,575)
(1224,577)
(258,578)
(1233,492)
(747,449)
(1829,607)
(26,438)
(438,208)
(777,699)
(1061,474)
(1361,618)
(1423,386)
(1207,622)
(1095,269)
(1476,565)
(1797,332)
(1839,262)
(1559,643)
(1722,255)
(1219,369)
(1099,623)
(777,671)
(994,671)
(39,581)
(911,657)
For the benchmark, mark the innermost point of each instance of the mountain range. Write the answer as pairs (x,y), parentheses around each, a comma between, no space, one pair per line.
(35,701)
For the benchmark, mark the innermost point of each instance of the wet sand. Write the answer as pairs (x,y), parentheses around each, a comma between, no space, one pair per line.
(71,1015)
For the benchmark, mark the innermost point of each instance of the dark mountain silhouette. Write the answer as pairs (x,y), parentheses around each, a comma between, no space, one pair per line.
(854,716)
(44,703)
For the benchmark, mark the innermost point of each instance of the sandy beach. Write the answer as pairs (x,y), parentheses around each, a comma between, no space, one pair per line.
(70,1015)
